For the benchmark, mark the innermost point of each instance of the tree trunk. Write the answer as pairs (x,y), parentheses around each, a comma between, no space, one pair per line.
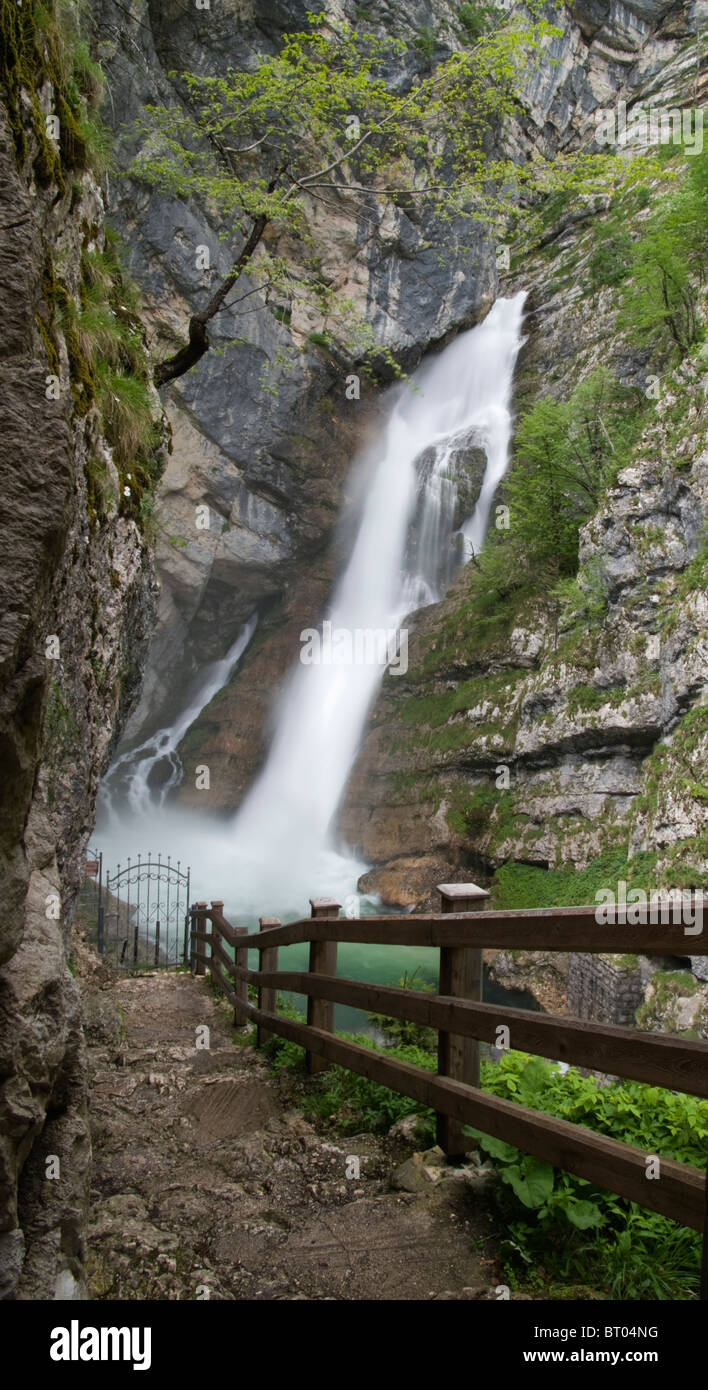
(198,344)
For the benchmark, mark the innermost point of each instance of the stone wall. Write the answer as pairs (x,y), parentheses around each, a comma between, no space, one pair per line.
(605,989)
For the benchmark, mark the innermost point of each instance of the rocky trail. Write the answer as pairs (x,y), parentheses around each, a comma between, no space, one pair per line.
(208,1184)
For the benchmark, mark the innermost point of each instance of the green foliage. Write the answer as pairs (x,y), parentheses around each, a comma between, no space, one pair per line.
(591,697)
(109,371)
(476,20)
(400,1031)
(525,885)
(425,146)
(343,1099)
(565,453)
(426,41)
(42,42)
(661,302)
(579,1230)
(126,407)
(611,260)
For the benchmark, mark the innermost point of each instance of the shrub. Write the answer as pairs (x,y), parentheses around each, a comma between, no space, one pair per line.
(573,1228)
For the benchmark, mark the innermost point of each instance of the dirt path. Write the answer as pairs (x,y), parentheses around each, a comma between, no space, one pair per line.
(206,1184)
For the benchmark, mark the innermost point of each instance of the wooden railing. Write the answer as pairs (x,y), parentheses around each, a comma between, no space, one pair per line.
(461,1019)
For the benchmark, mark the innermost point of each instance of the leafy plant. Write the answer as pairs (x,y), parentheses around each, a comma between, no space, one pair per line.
(476,20)
(426,41)
(661,301)
(401,1031)
(580,1230)
(342,1098)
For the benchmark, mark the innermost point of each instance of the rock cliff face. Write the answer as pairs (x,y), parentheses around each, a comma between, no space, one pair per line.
(76,607)
(550,744)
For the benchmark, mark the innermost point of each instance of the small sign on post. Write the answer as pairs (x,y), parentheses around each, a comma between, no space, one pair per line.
(91,868)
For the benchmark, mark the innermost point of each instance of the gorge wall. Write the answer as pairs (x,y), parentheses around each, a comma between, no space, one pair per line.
(77,606)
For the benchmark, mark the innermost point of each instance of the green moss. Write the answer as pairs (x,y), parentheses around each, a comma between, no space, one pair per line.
(41,44)
(589,697)
(108,369)
(60,723)
(83,383)
(471,808)
(681,979)
(23,69)
(661,1007)
(672,765)
(433,715)
(49,344)
(524,885)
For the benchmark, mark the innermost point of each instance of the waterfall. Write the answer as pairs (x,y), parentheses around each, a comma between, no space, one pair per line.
(425,489)
(142,778)
(457,401)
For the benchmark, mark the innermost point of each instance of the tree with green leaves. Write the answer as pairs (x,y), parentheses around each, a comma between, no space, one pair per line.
(662,301)
(564,451)
(318,123)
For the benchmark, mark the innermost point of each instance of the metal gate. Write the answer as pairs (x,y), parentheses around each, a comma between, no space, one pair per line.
(143,915)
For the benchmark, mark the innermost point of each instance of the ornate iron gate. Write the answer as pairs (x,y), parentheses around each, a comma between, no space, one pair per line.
(143,918)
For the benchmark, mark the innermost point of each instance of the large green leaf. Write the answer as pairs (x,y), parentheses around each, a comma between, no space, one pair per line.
(496,1148)
(584,1214)
(532,1182)
(533,1081)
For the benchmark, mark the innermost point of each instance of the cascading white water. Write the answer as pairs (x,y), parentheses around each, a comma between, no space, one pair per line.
(463,396)
(128,779)
(279,848)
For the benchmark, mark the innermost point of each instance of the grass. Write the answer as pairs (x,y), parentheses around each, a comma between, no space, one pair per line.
(524,885)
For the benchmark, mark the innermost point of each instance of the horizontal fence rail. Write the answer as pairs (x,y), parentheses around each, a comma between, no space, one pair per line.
(462,1020)
(543,930)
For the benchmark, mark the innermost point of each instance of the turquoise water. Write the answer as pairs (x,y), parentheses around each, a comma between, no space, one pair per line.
(383,965)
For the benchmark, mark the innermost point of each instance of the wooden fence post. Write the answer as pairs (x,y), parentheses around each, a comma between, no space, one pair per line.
(241,986)
(216,914)
(703,1294)
(323,961)
(267,996)
(198,924)
(460,976)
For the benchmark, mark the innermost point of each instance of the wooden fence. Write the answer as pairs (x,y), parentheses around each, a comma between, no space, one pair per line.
(461,1019)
